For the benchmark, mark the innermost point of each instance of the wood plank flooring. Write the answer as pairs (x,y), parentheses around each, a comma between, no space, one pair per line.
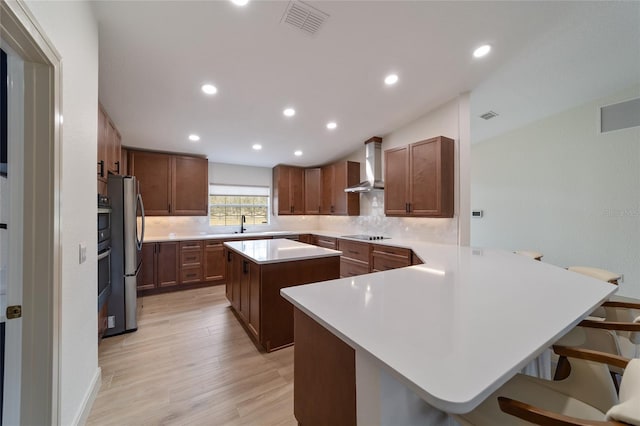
(191,363)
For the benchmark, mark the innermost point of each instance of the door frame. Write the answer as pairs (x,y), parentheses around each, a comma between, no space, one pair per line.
(40,387)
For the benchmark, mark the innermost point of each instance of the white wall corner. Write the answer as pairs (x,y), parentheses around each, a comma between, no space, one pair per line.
(82,415)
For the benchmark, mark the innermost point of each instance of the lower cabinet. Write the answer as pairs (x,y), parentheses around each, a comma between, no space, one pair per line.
(160,267)
(172,265)
(384,258)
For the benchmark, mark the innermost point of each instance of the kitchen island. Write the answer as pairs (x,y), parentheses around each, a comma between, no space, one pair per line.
(256,272)
(409,345)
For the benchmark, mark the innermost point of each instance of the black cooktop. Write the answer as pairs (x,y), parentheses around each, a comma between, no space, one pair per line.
(366,237)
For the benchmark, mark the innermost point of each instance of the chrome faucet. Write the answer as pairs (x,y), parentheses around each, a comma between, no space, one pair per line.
(243,220)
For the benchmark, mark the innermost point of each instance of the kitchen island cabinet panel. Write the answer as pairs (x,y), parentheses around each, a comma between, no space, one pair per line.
(254,288)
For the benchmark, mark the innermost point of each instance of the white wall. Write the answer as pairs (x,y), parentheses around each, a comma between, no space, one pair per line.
(446,120)
(559,187)
(73,31)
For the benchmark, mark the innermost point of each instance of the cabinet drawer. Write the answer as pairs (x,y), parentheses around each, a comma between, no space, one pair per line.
(386,262)
(213,243)
(354,250)
(191,274)
(396,251)
(190,245)
(326,242)
(351,268)
(386,257)
(190,257)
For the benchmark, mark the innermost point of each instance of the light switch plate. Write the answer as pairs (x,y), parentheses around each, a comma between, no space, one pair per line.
(82,251)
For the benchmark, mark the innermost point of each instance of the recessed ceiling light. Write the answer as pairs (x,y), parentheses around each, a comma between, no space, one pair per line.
(391,79)
(257,146)
(240,2)
(332,125)
(289,112)
(194,137)
(481,51)
(298,153)
(209,89)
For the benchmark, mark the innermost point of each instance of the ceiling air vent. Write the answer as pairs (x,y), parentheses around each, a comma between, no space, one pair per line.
(489,115)
(304,17)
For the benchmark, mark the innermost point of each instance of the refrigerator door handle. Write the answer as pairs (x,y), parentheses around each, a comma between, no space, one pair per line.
(141,204)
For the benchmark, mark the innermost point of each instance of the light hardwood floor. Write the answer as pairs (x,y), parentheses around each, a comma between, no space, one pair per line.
(191,363)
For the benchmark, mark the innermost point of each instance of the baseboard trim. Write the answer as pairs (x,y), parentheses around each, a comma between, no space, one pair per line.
(83,414)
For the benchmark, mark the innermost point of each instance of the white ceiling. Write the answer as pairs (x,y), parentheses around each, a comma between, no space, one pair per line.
(155,55)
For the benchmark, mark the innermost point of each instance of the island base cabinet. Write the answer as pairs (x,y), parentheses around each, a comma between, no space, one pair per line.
(253,291)
(324,376)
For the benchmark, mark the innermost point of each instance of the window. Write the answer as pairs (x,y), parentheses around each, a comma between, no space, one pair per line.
(227,203)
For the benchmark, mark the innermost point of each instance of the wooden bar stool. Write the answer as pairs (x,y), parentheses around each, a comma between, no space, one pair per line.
(530,253)
(597,273)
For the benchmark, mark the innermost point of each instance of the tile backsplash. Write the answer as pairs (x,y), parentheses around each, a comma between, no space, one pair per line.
(371,221)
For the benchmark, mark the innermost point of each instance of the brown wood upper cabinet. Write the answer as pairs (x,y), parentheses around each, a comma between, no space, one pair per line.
(334,179)
(109,149)
(171,185)
(288,190)
(419,179)
(312,185)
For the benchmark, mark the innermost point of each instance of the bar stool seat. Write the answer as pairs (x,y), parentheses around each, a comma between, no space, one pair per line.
(530,253)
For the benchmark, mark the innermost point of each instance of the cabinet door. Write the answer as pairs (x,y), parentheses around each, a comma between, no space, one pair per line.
(230,275)
(424,178)
(168,268)
(345,174)
(102,152)
(146,276)
(245,295)
(214,261)
(326,204)
(189,186)
(254,298)
(153,171)
(113,148)
(312,186)
(282,190)
(396,181)
(296,183)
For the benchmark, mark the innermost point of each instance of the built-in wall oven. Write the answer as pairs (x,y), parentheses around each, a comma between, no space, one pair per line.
(104,250)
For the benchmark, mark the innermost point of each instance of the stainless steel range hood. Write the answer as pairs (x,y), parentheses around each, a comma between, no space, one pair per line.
(373,165)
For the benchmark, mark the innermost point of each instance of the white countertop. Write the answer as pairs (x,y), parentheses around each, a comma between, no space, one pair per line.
(459,326)
(278,250)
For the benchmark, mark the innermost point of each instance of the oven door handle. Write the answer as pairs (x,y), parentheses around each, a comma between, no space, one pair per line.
(104,254)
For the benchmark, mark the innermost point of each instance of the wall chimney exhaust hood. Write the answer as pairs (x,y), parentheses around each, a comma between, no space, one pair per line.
(373,166)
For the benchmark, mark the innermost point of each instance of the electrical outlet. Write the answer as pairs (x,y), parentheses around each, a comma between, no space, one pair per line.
(111,321)
(621,280)
(82,251)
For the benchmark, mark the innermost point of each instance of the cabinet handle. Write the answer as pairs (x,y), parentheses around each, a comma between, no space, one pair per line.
(101,164)
(245,267)
(159,247)
(169,208)
(228,256)
(117,163)
(353,251)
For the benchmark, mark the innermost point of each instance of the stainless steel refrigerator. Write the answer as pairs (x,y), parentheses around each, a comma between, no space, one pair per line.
(127,234)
